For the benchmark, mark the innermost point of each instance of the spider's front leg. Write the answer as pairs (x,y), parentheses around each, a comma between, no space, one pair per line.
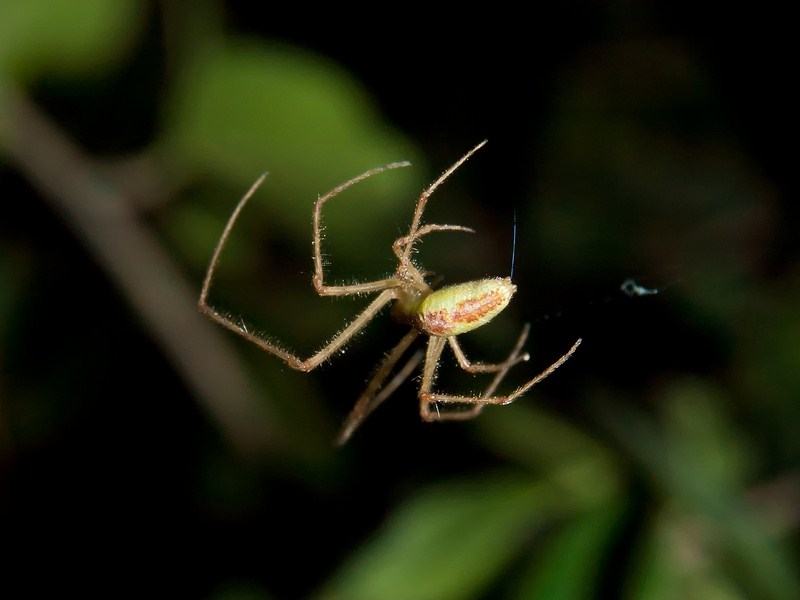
(319,275)
(387,288)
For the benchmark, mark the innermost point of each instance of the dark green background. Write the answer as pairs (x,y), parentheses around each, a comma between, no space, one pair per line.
(145,452)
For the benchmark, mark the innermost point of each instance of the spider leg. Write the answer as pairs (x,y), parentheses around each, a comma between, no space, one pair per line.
(388,288)
(432,355)
(318,278)
(373,395)
(339,340)
(405,258)
(400,244)
(478,367)
(502,400)
(212,266)
(428,397)
(500,370)
(513,358)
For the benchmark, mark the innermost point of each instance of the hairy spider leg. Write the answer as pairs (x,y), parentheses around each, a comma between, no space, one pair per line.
(374,394)
(428,397)
(388,287)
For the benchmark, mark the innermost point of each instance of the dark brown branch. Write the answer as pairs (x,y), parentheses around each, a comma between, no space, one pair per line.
(140,267)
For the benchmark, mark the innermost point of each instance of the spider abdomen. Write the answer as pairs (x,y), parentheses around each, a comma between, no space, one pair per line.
(456,309)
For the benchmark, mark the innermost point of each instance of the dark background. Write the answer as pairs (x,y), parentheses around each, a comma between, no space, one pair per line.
(644,140)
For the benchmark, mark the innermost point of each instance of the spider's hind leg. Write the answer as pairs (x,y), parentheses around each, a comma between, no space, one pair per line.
(431,411)
(375,392)
(427,397)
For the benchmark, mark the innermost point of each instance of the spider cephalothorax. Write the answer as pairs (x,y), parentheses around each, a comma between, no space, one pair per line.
(440,314)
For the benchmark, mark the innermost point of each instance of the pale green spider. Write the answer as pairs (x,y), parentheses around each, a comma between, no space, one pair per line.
(441,314)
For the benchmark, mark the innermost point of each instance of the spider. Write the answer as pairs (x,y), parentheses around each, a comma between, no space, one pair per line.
(441,314)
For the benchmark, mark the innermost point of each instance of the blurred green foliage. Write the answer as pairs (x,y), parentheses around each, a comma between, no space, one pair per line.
(667,469)
(65,39)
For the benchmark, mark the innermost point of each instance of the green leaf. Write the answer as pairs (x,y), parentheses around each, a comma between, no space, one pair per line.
(65,37)
(677,561)
(529,435)
(244,107)
(448,542)
(572,563)
(699,461)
